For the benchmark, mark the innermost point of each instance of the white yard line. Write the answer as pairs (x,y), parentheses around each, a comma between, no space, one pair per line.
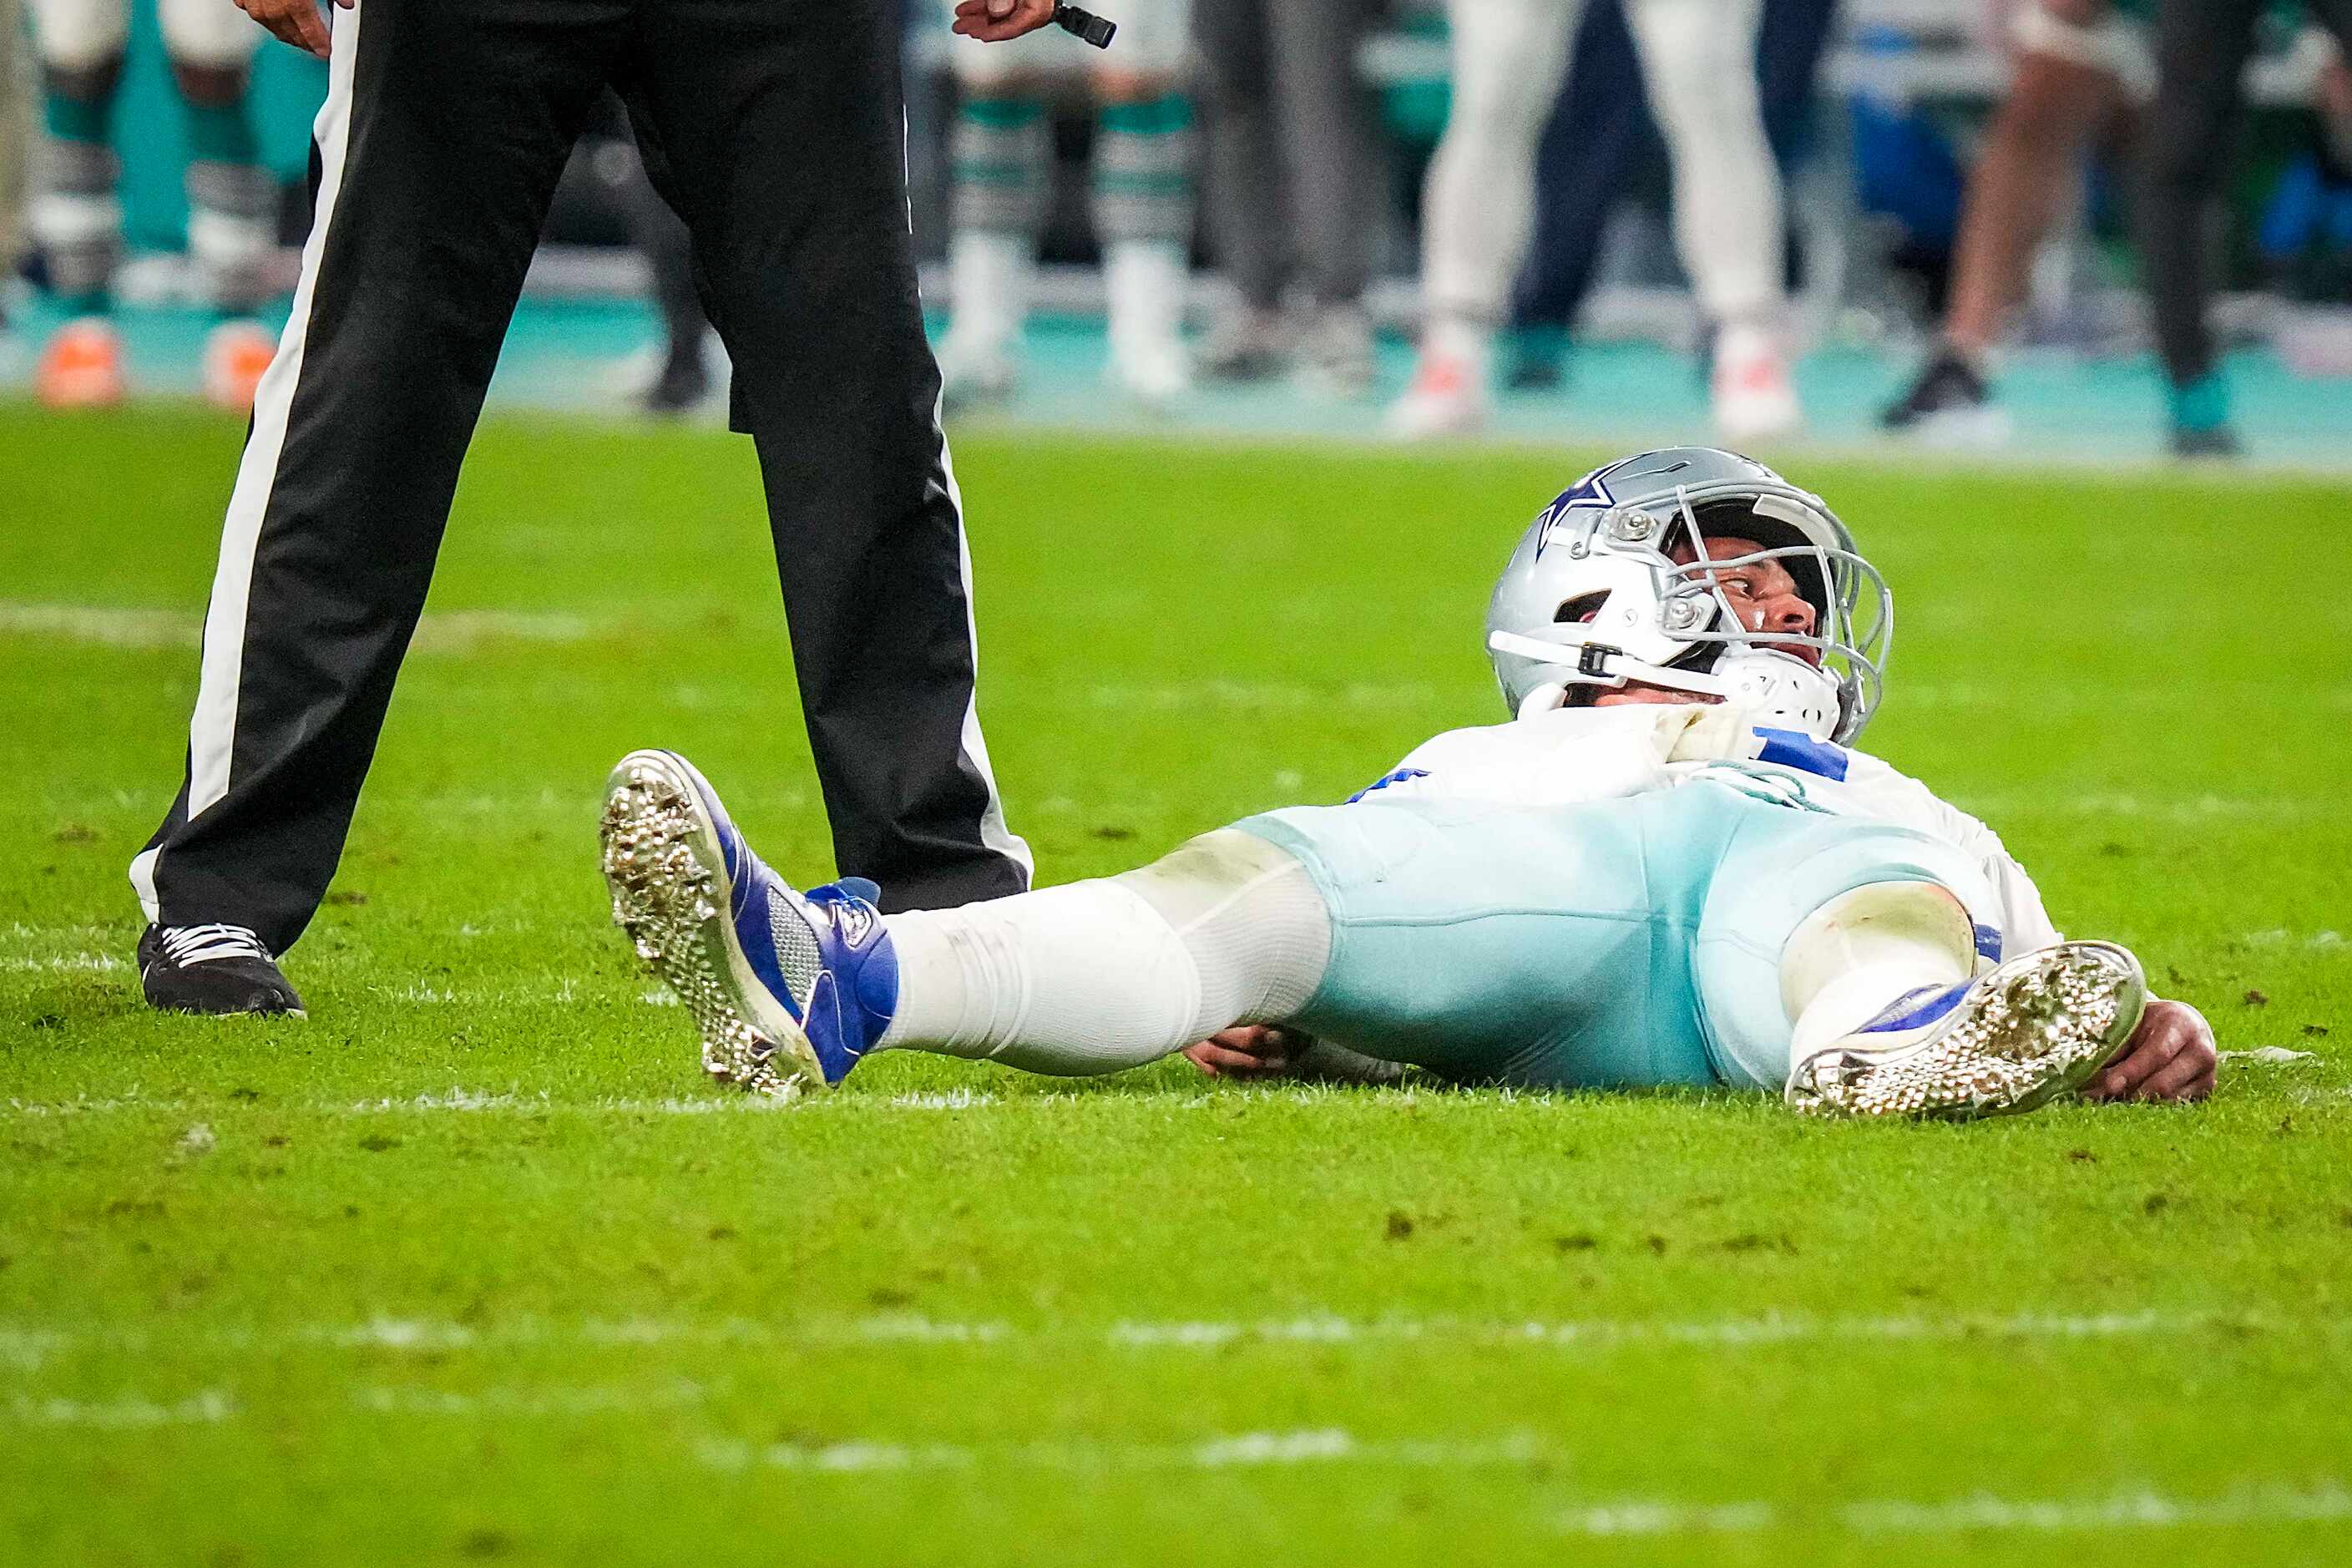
(1243,1450)
(446,631)
(66,963)
(593,1400)
(472,1102)
(2264,1503)
(467,1100)
(131,1411)
(2325,1501)
(2270,1503)
(1251,694)
(28,1348)
(2178,809)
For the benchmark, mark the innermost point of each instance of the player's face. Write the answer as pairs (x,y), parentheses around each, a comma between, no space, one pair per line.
(1761,594)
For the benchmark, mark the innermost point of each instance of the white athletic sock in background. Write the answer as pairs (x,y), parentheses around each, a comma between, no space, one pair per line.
(1000,153)
(989,277)
(1467,342)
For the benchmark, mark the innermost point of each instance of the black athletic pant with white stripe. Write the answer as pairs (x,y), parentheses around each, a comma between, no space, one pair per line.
(775,127)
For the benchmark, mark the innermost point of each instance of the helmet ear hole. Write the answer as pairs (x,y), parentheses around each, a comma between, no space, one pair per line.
(1583,607)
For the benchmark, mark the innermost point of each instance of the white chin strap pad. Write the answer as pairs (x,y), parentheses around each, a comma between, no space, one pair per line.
(1782,690)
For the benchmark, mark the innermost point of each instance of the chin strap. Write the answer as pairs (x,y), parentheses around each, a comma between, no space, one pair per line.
(1590,657)
(1587,656)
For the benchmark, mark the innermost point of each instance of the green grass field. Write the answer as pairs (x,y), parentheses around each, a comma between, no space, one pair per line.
(472,1265)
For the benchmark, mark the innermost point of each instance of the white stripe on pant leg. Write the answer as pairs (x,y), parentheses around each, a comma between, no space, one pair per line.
(212,733)
(212,730)
(993,831)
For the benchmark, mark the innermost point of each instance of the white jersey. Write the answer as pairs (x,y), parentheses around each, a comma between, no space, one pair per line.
(1576,754)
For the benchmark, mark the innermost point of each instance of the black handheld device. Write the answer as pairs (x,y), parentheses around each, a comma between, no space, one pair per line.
(1086,25)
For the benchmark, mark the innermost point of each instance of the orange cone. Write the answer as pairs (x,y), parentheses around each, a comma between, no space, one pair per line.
(81,367)
(235,356)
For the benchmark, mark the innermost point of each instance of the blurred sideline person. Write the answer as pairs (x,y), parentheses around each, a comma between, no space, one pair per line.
(2083,71)
(77,213)
(1001,155)
(1602,135)
(16,132)
(1669,867)
(1292,161)
(778,132)
(608,173)
(1698,59)
(2202,50)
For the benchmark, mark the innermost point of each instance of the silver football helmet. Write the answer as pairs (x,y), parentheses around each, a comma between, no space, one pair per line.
(1613,583)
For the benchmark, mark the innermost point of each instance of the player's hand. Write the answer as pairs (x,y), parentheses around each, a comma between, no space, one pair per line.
(2170,1057)
(1251,1050)
(296,21)
(993,21)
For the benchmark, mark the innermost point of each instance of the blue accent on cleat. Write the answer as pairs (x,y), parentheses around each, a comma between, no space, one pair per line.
(840,949)
(852,1001)
(1915,1009)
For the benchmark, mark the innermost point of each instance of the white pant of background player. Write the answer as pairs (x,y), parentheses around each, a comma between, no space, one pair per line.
(1698,64)
(1001,152)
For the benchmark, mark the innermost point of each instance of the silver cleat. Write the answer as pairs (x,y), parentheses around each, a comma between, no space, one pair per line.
(672,894)
(2039,1027)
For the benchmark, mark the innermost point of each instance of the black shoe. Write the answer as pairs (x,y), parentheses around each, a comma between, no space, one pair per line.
(2219,441)
(1538,360)
(1949,391)
(1536,373)
(683,385)
(212,969)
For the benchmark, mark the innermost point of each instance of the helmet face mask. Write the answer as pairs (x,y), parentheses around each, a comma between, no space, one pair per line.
(1613,583)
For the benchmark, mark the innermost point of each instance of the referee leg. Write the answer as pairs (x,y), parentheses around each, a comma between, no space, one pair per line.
(446,126)
(778,132)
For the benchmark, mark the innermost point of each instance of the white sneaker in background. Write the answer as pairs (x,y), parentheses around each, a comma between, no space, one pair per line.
(1146,282)
(1755,398)
(975,369)
(1244,343)
(1447,397)
(1154,370)
(1335,353)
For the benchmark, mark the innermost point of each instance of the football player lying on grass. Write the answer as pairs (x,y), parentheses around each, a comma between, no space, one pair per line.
(1667,869)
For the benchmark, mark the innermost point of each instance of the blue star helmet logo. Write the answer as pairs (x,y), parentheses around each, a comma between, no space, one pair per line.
(1592,490)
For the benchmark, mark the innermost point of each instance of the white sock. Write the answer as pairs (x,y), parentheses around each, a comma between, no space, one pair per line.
(1865,949)
(1144,281)
(1740,342)
(989,275)
(1094,977)
(1469,343)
